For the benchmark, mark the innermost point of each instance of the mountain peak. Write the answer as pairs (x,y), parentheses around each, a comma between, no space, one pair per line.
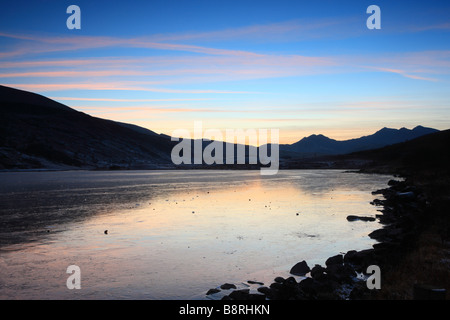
(320,144)
(317,136)
(385,129)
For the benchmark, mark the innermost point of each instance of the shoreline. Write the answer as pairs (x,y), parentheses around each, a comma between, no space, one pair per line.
(406,212)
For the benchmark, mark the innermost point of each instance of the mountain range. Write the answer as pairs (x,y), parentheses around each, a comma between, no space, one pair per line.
(39,133)
(316,145)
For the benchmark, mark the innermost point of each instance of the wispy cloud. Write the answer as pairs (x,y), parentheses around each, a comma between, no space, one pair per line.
(123,100)
(402,73)
(291,30)
(444,26)
(52,44)
(113,86)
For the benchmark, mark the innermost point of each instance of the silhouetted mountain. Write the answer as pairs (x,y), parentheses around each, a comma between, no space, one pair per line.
(425,155)
(317,145)
(429,154)
(37,132)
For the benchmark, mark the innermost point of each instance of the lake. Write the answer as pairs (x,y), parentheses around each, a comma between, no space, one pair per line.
(173,234)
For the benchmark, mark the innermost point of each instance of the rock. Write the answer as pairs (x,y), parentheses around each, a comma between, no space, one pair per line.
(393,182)
(349,256)
(290,282)
(300,269)
(276,286)
(255,282)
(308,286)
(319,290)
(377,202)
(337,259)
(380,191)
(360,259)
(342,273)
(265,290)
(227,286)
(318,272)
(283,291)
(279,280)
(356,218)
(241,294)
(385,234)
(212,291)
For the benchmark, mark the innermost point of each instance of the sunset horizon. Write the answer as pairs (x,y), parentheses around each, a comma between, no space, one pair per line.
(312,69)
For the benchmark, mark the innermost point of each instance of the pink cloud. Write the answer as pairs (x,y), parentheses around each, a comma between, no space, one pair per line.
(403,73)
(121,100)
(113,86)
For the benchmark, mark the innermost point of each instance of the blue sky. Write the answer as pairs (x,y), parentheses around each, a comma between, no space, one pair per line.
(302,67)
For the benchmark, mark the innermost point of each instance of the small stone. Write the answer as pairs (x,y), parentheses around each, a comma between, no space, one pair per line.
(255,282)
(212,291)
(355,218)
(279,280)
(227,286)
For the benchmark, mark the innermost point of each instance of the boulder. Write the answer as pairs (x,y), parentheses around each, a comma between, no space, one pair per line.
(290,282)
(300,269)
(341,273)
(360,259)
(265,290)
(276,286)
(308,286)
(350,256)
(283,291)
(386,234)
(318,272)
(337,259)
(241,294)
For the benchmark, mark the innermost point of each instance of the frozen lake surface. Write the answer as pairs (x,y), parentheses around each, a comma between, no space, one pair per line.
(173,234)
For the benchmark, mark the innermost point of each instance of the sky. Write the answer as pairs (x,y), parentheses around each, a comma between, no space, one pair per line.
(303,67)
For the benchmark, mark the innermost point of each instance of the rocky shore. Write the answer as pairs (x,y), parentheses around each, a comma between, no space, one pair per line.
(403,211)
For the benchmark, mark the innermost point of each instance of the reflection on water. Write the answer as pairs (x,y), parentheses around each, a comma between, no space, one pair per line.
(172,234)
